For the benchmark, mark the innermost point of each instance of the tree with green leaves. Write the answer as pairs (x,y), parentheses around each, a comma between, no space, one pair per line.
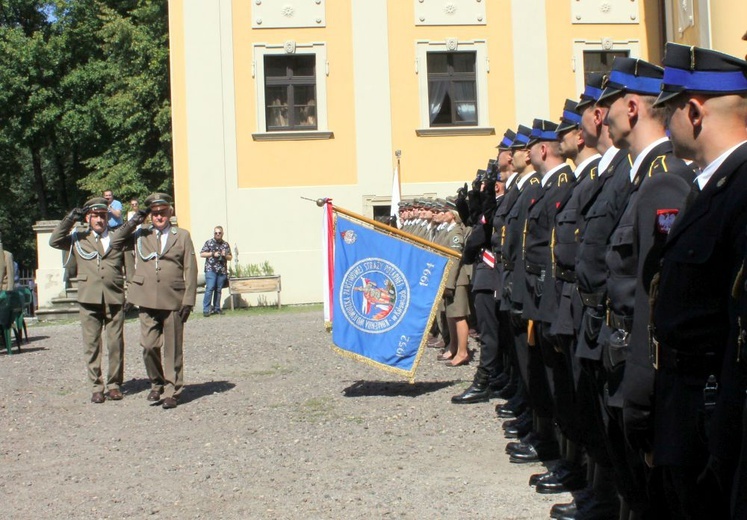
(84,106)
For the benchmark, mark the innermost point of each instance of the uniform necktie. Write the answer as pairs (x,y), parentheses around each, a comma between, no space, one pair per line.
(694,192)
(158,242)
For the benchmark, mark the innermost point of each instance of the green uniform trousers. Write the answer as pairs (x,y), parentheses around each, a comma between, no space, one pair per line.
(161,336)
(93,319)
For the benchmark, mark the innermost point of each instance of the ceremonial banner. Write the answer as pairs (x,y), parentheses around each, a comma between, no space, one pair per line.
(386,290)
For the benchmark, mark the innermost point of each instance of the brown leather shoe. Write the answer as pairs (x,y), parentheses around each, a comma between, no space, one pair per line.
(154,396)
(98,397)
(169,402)
(114,395)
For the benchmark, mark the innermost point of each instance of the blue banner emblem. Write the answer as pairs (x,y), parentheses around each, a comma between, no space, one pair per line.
(386,291)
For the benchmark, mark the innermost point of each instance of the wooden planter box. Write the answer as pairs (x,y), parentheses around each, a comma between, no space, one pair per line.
(254,284)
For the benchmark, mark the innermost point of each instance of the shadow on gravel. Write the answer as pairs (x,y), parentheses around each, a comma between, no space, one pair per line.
(24,349)
(34,338)
(135,386)
(394,388)
(193,392)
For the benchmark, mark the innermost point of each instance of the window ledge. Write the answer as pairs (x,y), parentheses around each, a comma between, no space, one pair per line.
(308,135)
(455,130)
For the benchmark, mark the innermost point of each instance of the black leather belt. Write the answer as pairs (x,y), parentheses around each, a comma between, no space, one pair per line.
(567,275)
(620,322)
(534,268)
(592,299)
(698,363)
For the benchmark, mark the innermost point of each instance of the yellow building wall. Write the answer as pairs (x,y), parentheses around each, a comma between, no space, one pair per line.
(436,159)
(561,34)
(728,25)
(266,164)
(179,112)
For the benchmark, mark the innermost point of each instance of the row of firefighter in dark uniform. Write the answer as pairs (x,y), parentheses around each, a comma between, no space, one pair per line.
(619,298)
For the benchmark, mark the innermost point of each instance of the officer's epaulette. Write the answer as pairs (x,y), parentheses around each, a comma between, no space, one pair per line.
(562,179)
(534,180)
(593,174)
(659,160)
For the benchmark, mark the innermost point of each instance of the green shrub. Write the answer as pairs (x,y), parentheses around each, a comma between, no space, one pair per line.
(247,270)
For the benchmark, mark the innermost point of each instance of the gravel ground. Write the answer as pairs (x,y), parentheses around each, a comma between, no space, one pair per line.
(272,424)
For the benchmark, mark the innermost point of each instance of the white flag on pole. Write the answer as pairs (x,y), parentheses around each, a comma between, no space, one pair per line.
(396,197)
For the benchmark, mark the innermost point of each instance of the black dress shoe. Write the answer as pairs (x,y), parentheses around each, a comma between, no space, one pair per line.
(519,427)
(526,415)
(517,432)
(553,485)
(510,410)
(563,510)
(529,438)
(540,452)
(539,477)
(474,394)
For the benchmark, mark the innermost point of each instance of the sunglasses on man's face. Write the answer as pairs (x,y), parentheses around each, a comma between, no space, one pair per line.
(218,233)
(160,213)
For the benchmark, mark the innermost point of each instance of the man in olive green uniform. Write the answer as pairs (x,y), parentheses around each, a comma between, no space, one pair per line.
(6,269)
(163,286)
(100,292)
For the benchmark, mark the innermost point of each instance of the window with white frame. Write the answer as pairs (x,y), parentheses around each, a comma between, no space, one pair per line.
(290,81)
(597,56)
(452,78)
(452,89)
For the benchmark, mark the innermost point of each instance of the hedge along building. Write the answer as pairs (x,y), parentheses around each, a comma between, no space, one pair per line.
(274,100)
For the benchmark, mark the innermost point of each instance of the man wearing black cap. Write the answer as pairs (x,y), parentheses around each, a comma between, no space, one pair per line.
(661,183)
(100,293)
(527,183)
(164,288)
(509,383)
(597,219)
(486,282)
(6,269)
(555,181)
(705,95)
(558,298)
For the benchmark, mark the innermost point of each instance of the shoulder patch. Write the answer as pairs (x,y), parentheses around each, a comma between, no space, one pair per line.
(562,179)
(534,180)
(659,161)
(665,219)
(593,174)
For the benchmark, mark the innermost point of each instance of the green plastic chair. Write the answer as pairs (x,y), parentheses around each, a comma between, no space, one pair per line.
(6,322)
(17,307)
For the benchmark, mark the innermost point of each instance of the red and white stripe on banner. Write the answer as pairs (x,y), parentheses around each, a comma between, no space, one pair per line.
(489,258)
(328,263)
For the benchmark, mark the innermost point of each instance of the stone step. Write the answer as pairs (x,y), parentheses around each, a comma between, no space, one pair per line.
(57,313)
(65,301)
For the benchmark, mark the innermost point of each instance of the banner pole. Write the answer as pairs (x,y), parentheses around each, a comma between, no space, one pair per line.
(393,231)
